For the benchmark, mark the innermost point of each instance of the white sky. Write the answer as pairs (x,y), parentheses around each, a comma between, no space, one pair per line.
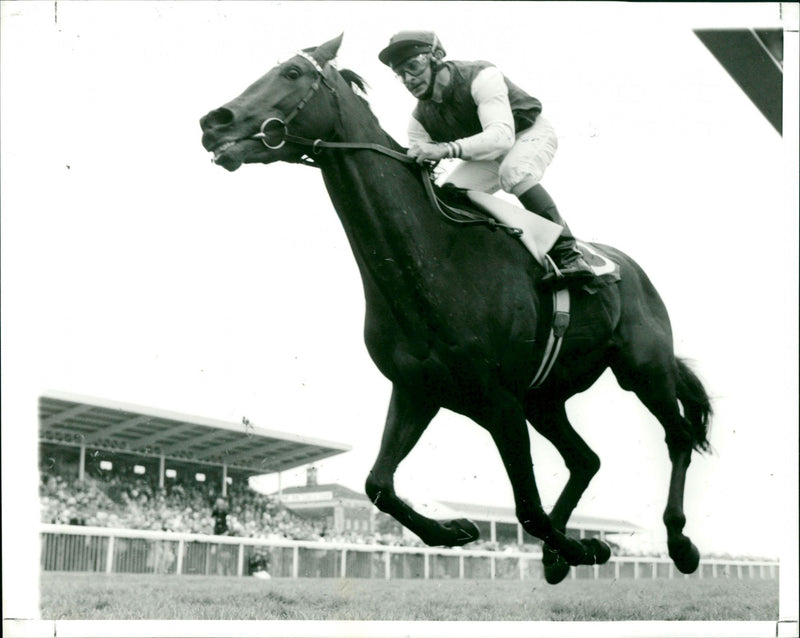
(135,270)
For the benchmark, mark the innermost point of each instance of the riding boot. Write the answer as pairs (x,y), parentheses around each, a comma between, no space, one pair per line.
(571,267)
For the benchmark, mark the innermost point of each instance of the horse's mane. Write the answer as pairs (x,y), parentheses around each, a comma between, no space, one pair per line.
(354,80)
(359,86)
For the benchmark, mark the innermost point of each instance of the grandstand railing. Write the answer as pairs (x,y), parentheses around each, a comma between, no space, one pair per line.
(102,549)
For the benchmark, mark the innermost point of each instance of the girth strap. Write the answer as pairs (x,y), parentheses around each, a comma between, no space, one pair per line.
(557,330)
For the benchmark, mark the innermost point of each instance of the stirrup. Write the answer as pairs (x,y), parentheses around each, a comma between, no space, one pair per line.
(556,277)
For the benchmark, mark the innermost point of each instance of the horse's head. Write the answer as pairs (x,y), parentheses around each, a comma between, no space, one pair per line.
(254,127)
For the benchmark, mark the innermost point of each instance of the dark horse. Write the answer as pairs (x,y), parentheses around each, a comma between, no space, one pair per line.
(455,317)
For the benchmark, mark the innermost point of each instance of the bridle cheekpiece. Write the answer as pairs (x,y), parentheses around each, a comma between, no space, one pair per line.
(262,134)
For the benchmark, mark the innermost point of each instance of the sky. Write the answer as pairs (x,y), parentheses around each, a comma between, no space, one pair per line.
(135,270)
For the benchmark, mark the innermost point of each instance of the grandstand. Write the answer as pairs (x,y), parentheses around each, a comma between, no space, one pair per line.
(108,463)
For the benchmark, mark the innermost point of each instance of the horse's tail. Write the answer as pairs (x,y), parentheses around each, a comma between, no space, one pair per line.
(697,409)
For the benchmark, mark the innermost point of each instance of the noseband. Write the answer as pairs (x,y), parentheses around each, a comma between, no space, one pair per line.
(262,134)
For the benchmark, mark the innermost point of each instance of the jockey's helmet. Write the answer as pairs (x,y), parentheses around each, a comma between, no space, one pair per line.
(405,44)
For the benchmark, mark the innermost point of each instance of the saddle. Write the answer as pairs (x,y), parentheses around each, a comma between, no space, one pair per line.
(536,233)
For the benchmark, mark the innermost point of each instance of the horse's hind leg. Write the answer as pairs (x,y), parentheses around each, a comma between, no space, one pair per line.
(508,428)
(549,418)
(409,414)
(655,383)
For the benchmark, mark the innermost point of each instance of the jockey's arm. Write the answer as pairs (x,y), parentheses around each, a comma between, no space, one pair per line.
(417,134)
(490,93)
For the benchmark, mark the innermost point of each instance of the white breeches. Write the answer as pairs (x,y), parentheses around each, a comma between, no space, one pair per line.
(516,171)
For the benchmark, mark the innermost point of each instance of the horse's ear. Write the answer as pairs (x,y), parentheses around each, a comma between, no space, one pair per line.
(324,53)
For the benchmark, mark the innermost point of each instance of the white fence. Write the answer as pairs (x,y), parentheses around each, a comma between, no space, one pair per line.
(101,549)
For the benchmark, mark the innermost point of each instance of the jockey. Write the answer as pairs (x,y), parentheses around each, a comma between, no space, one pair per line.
(471,111)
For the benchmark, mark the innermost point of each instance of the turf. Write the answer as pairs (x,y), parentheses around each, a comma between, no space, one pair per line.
(82,596)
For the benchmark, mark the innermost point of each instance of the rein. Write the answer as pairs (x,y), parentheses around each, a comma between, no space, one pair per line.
(451,213)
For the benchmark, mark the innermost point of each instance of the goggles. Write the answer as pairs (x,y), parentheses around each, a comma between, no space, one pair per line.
(414,66)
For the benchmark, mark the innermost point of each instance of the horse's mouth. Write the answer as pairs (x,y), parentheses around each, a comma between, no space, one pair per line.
(221,149)
(229,154)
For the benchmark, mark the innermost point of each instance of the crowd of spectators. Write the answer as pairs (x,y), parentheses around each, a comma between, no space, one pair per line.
(131,502)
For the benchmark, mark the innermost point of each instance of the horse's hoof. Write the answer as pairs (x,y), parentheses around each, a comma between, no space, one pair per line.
(461,531)
(577,552)
(600,550)
(684,554)
(555,567)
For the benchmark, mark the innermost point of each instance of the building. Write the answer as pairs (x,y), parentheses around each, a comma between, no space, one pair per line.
(344,510)
(341,509)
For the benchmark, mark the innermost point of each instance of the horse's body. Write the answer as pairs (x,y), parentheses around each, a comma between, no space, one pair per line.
(454,317)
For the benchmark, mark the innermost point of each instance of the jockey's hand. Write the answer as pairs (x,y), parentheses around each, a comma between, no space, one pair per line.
(427,152)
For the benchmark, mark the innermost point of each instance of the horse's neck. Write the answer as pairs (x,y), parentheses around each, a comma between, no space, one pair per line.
(394,234)
(381,204)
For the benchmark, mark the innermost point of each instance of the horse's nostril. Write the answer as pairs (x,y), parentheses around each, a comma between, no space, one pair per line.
(221,117)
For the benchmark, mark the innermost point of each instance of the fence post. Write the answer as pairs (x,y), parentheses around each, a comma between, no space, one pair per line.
(110,555)
(179,563)
(461,567)
(388,565)
(240,563)
(492,567)
(344,563)
(616,569)
(521,568)
(295,561)
(426,566)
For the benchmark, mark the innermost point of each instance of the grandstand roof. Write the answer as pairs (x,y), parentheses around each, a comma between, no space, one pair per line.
(323,492)
(507,515)
(74,420)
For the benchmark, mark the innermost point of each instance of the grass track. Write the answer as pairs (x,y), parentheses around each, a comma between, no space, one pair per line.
(82,596)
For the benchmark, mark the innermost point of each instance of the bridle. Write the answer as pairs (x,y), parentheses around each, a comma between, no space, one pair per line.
(262,135)
(456,215)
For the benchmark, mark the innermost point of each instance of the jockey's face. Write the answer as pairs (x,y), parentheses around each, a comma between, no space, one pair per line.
(416,74)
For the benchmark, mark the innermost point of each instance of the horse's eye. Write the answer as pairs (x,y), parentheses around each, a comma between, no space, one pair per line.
(292,73)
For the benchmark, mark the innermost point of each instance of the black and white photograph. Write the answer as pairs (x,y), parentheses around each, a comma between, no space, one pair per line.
(373,318)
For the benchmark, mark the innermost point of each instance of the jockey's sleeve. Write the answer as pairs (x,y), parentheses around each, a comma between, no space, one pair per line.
(490,93)
(417,133)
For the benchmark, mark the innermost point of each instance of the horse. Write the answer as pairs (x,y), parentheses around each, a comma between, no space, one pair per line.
(456,318)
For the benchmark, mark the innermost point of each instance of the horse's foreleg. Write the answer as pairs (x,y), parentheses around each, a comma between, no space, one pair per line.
(409,415)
